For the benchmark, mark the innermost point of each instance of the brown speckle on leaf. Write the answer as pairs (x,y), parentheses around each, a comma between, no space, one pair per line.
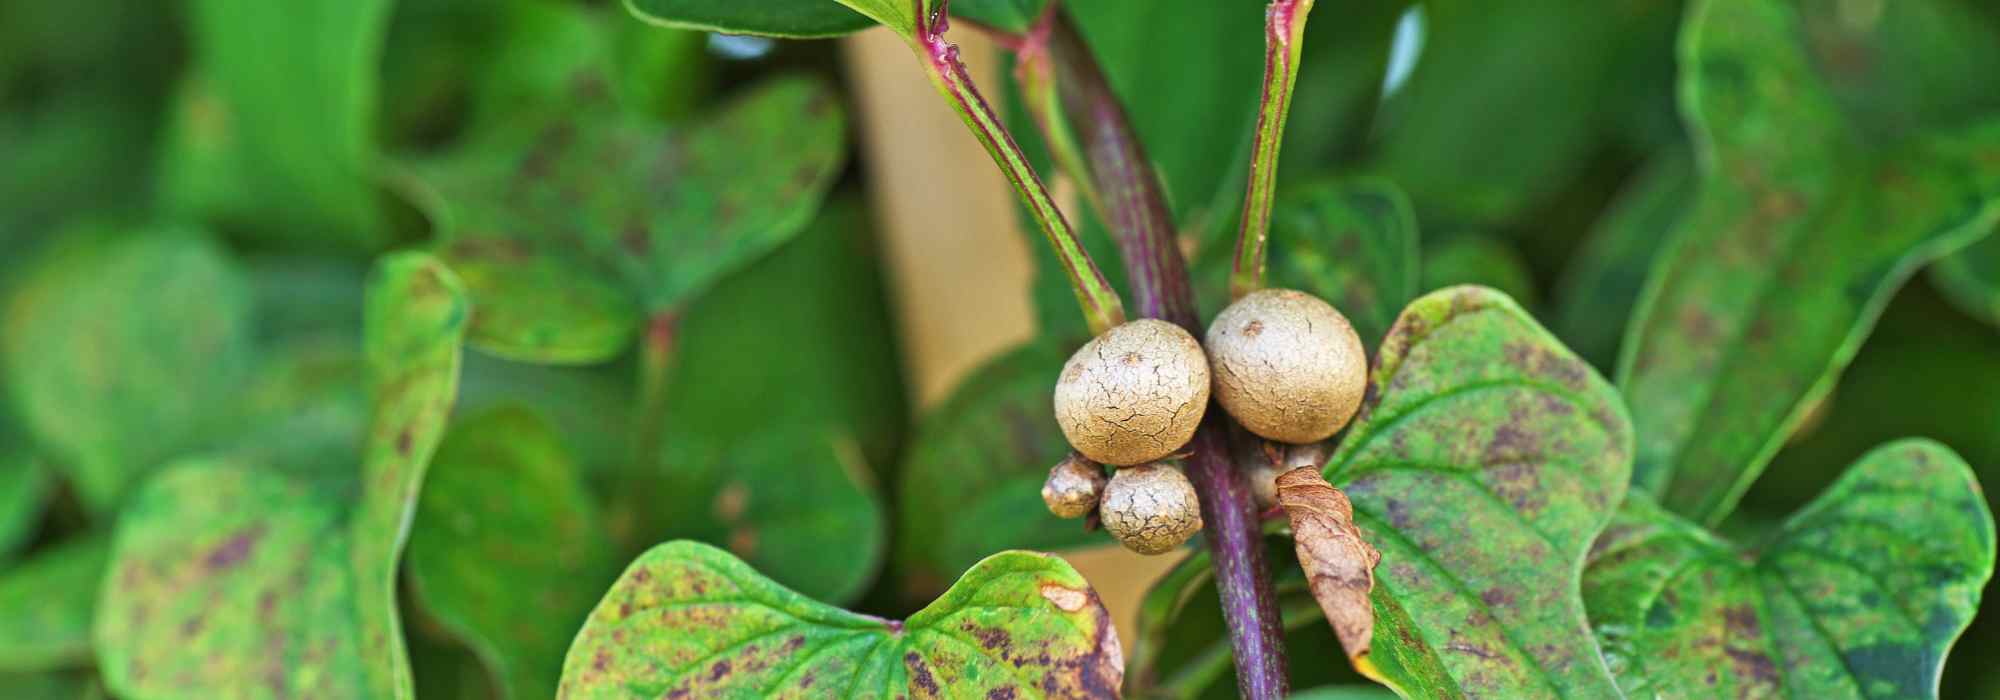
(1339,565)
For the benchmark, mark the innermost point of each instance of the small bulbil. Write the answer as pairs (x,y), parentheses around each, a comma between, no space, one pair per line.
(1073,487)
(1150,508)
(1287,365)
(1134,394)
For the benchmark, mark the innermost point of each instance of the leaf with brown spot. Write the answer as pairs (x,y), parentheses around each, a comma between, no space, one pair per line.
(575,223)
(507,550)
(1808,216)
(235,579)
(1859,594)
(688,620)
(1485,462)
(1339,564)
(47,603)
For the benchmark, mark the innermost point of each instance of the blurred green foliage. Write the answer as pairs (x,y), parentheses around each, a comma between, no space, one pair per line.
(258,260)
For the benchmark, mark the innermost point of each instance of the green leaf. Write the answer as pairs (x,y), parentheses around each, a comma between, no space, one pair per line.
(274,134)
(1353,243)
(24,490)
(739,371)
(1345,693)
(47,603)
(801,504)
(48,686)
(899,16)
(771,451)
(1597,292)
(690,619)
(225,571)
(1485,460)
(1543,107)
(1898,67)
(627,219)
(507,550)
(1006,15)
(1471,258)
(1858,595)
(121,348)
(971,480)
(1970,278)
(797,19)
(1799,234)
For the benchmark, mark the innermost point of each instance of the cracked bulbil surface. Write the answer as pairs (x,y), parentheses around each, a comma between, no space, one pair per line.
(1073,487)
(1134,394)
(1287,365)
(1150,508)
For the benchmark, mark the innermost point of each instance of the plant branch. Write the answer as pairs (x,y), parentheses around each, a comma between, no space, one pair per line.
(1140,220)
(1101,306)
(1284,26)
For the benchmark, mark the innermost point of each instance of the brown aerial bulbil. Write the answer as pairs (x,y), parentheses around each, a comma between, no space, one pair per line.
(1134,394)
(1287,365)
(1150,508)
(1073,487)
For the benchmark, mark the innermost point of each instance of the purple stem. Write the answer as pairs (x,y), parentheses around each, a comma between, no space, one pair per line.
(1143,227)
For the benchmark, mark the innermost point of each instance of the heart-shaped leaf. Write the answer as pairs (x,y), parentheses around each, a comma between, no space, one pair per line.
(120,348)
(1595,297)
(507,550)
(625,218)
(971,481)
(797,19)
(1352,242)
(1971,279)
(1482,464)
(1858,595)
(256,146)
(225,571)
(46,606)
(689,620)
(1802,228)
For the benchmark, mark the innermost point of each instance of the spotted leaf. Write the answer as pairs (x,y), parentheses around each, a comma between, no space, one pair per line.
(688,620)
(1483,463)
(1860,594)
(236,580)
(1804,224)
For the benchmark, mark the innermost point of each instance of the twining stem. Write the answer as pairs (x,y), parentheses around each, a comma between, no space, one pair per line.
(1101,306)
(1135,207)
(1284,27)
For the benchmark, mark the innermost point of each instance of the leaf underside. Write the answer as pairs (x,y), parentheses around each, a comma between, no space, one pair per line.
(688,620)
(1860,594)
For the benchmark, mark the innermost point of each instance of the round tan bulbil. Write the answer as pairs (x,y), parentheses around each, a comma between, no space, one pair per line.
(1134,394)
(1073,487)
(1150,508)
(1287,365)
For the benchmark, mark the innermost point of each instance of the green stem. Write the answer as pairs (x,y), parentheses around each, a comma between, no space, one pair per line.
(1034,71)
(1101,306)
(1284,27)
(656,359)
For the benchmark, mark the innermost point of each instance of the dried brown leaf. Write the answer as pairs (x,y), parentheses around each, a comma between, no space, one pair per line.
(1339,565)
